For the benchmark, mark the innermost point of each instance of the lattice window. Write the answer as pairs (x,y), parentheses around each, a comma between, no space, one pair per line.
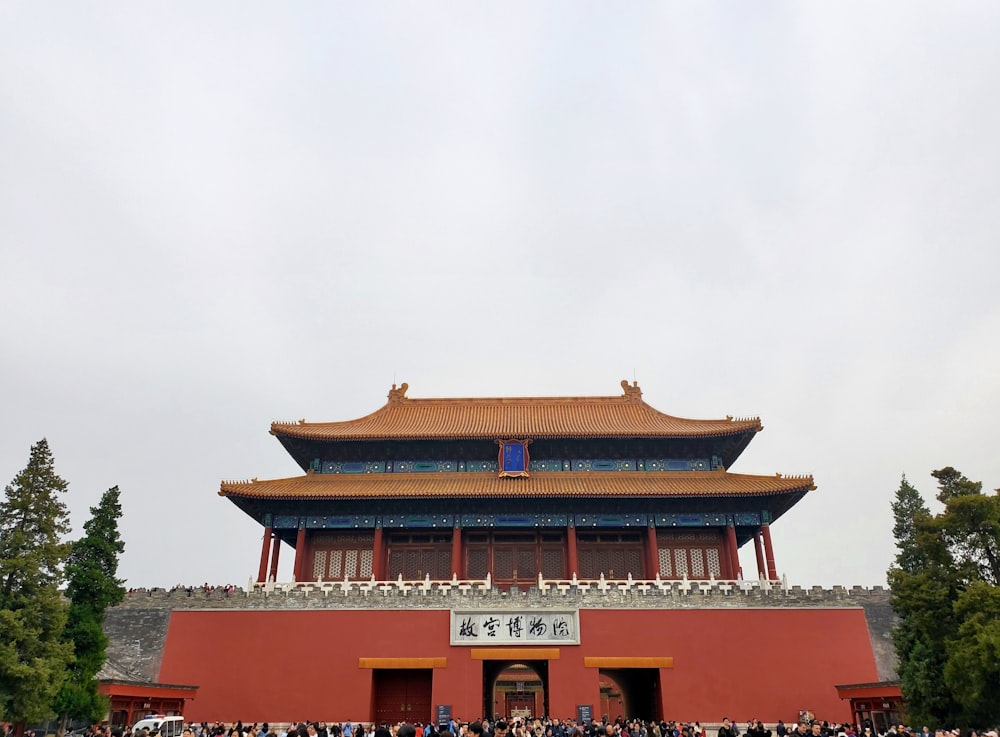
(632,563)
(478,562)
(437,564)
(666,562)
(714,563)
(680,562)
(697,563)
(503,564)
(319,565)
(336,564)
(414,557)
(340,554)
(367,558)
(553,563)
(526,565)
(611,560)
(604,562)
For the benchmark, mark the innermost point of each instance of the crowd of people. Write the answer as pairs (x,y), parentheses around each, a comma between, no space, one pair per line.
(205,588)
(527,727)
(814,728)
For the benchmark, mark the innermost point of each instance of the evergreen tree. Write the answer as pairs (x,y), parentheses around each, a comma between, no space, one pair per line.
(971,525)
(972,672)
(924,591)
(33,657)
(945,591)
(908,511)
(93,586)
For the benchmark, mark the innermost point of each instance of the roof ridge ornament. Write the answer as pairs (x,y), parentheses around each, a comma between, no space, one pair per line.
(632,393)
(398,395)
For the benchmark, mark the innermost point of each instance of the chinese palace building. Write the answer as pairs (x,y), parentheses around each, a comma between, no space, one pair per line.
(568,556)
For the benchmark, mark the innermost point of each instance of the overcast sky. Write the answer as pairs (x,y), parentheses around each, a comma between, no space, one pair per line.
(214,215)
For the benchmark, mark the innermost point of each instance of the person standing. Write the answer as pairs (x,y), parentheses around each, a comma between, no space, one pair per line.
(727,729)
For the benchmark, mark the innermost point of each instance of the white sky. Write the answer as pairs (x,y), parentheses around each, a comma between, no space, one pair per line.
(213,215)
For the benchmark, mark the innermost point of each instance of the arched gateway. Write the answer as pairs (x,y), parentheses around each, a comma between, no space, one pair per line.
(440,543)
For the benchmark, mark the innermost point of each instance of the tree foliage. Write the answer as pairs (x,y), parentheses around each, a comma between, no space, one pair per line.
(907,510)
(33,656)
(93,586)
(946,590)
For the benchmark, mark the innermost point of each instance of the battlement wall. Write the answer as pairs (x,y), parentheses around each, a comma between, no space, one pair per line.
(137,627)
(473,594)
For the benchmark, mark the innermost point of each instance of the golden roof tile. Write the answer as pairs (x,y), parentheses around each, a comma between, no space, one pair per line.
(539,484)
(626,415)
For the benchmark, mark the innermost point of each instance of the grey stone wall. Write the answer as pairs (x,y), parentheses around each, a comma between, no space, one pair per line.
(136,638)
(881,622)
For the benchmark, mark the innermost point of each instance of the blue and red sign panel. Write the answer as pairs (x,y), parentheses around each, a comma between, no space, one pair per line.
(513,457)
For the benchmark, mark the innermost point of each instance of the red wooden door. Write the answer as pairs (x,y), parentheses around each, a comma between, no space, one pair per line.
(402,696)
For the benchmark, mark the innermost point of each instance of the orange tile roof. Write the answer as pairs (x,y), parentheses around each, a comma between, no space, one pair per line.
(540,484)
(626,415)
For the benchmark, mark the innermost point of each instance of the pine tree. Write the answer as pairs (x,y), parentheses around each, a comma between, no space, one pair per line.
(93,586)
(924,591)
(945,590)
(908,511)
(33,657)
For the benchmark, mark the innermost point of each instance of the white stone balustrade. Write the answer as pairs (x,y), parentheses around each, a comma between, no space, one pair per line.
(545,587)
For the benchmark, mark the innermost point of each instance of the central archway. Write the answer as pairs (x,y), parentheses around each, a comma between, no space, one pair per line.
(515,688)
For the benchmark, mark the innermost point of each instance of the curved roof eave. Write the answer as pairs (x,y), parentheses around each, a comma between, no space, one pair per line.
(565,484)
(623,416)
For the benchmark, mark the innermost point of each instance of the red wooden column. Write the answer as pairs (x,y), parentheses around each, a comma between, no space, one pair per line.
(734,554)
(654,553)
(300,554)
(761,572)
(275,549)
(264,549)
(574,563)
(456,552)
(772,572)
(378,552)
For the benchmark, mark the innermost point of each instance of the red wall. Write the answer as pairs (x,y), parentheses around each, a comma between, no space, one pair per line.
(283,665)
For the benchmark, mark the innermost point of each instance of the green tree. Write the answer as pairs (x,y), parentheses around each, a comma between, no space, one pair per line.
(924,590)
(971,525)
(93,586)
(973,668)
(945,590)
(908,511)
(33,657)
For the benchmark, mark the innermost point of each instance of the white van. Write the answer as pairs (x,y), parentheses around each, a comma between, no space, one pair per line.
(167,726)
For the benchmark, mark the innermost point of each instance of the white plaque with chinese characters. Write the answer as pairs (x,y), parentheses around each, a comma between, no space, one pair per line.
(529,627)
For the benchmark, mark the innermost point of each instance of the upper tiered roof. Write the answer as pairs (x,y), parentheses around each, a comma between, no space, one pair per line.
(623,416)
